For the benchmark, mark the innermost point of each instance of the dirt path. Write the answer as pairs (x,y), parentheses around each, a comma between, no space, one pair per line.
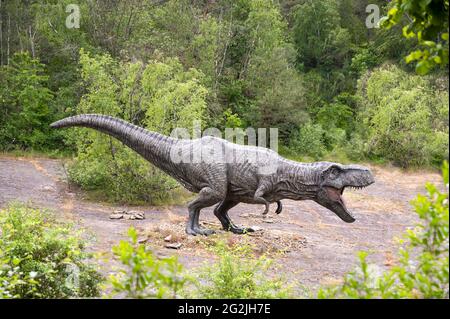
(309,243)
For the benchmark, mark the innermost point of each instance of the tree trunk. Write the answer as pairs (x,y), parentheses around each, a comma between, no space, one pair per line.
(1,34)
(33,53)
(9,33)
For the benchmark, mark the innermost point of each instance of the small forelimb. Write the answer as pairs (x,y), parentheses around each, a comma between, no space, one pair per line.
(259,199)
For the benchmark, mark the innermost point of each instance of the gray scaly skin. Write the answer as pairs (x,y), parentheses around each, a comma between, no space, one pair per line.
(219,180)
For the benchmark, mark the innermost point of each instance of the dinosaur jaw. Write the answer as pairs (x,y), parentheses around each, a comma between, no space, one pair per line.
(332,198)
(335,202)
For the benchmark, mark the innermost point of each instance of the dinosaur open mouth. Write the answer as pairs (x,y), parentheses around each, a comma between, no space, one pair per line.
(338,205)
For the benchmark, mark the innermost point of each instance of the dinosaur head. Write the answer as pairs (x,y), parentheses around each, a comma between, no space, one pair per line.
(333,179)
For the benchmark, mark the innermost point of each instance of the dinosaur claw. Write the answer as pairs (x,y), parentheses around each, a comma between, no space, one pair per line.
(241,230)
(279,208)
(204,231)
(266,210)
(190,231)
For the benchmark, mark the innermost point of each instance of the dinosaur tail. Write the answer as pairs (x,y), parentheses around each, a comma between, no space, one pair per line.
(151,145)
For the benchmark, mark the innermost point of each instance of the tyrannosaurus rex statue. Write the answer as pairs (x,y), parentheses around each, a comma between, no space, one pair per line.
(226,174)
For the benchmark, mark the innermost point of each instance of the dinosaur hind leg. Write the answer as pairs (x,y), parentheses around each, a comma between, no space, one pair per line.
(207,197)
(221,212)
(279,207)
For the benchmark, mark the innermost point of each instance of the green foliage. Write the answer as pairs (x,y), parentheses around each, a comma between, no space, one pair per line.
(257,79)
(428,23)
(309,141)
(238,275)
(24,105)
(143,274)
(319,38)
(293,65)
(364,60)
(422,270)
(404,118)
(231,120)
(40,258)
(159,96)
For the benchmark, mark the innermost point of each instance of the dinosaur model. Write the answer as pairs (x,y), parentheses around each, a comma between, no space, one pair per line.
(227,174)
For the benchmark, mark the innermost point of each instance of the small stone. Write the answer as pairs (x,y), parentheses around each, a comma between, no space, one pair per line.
(256,228)
(142,240)
(173,246)
(134,214)
(116,216)
(268,221)
(47,188)
(141,215)
(168,238)
(119,211)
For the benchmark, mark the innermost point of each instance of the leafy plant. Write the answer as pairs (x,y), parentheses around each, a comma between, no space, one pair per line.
(25,114)
(428,23)
(144,275)
(160,96)
(41,258)
(403,117)
(310,140)
(237,274)
(423,266)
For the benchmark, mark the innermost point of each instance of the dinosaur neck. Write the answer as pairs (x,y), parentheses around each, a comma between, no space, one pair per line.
(297,181)
(303,173)
(154,147)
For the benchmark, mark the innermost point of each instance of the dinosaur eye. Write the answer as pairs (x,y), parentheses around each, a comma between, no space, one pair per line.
(333,173)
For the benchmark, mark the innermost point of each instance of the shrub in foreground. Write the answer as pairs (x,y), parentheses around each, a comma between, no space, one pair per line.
(144,275)
(237,274)
(41,258)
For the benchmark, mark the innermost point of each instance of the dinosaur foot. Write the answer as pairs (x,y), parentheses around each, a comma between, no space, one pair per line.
(241,230)
(199,231)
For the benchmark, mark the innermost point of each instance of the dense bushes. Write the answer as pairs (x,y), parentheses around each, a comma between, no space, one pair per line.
(144,275)
(160,96)
(404,117)
(42,258)
(238,274)
(394,115)
(25,112)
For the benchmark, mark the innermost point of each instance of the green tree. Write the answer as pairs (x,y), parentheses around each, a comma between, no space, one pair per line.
(319,38)
(24,103)
(428,23)
(260,82)
(159,96)
(404,117)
